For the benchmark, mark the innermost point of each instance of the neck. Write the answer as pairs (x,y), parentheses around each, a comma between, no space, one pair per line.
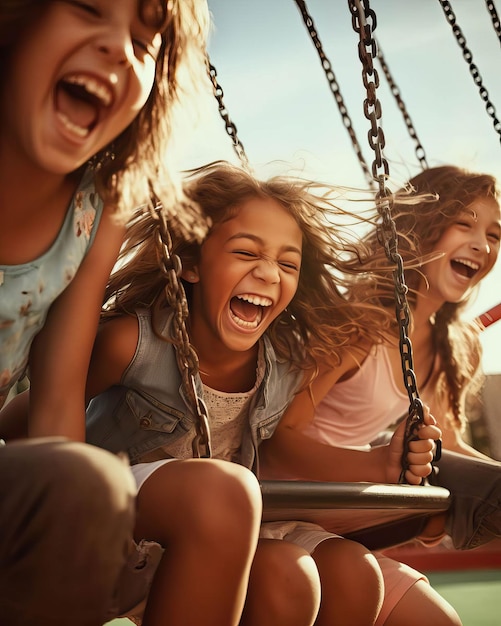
(424,309)
(24,185)
(33,205)
(235,373)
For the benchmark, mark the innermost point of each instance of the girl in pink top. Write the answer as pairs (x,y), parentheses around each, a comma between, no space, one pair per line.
(454,226)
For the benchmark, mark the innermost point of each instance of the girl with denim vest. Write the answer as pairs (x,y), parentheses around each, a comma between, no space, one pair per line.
(259,287)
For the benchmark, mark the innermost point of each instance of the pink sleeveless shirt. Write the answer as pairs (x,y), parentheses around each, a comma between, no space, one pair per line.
(356,410)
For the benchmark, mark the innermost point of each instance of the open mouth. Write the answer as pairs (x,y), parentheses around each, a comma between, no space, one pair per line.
(465,267)
(246,310)
(79,101)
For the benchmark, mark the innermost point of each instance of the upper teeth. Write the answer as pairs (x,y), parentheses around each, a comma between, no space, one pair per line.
(93,86)
(257,300)
(468,263)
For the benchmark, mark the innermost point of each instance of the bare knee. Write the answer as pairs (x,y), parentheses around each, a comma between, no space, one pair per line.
(284,586)
(201,498)
(343,561)
(207,515)
(346,568)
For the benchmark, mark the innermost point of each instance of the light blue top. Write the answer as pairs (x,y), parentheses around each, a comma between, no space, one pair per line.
(149,410)
(28,290)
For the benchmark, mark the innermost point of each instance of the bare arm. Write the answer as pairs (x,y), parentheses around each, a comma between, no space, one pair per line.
(113,350)
(289,453)
(60,353)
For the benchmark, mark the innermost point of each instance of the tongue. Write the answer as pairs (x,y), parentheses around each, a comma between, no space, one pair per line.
(244,310)
(80,112)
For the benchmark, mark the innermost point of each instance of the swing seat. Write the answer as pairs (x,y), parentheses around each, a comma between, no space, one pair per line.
(375,514)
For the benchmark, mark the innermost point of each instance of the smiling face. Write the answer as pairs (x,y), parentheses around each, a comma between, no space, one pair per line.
(77,78)
(247,275)
(470,248)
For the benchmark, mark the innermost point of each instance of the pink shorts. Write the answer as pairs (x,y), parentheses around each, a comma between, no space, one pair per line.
(398,577)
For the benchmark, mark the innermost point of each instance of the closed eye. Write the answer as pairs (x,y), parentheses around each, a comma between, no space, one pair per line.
(85,6)
(246,253)
(288,265)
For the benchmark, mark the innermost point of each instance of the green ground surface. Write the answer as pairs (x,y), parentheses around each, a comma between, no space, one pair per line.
(475,594)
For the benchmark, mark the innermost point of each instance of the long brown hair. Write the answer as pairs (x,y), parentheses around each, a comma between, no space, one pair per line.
(422,211)
(319,322)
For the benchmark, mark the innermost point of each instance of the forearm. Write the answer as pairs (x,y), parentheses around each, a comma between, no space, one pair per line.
(60,415)
(290,454)
(462,447)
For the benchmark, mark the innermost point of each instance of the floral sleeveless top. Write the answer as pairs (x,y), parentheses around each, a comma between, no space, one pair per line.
(28,290)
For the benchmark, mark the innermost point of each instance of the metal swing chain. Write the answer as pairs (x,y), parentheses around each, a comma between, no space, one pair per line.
(333,84)
(186,356)
(420,153)
(491,7)
(477,79)
(230,127)
(362,18)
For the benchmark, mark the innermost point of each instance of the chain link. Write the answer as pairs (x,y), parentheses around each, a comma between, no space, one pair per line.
(420,153)
(230,127)
(362,19)
(491,7)
(468,56)
(334,87)
(187,360)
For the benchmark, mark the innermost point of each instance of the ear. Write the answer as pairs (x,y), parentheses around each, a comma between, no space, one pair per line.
(190,274)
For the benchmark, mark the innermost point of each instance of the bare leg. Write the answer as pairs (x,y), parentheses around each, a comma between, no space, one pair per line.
(421,604)
(284,587)
(352,584)
(206,514)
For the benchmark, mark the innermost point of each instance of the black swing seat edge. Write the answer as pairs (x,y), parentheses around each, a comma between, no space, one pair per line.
(377,515)
(284,494)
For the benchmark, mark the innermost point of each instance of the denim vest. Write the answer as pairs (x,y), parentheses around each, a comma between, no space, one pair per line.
(149,409)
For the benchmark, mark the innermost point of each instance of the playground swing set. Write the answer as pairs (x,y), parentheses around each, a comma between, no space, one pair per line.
(375,513)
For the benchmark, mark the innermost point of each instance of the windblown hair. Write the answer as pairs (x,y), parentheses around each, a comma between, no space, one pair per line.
(441,195)
(132,169)
(318,322)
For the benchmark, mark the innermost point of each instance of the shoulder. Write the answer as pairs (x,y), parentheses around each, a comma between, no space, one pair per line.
(118,335)
(114,349)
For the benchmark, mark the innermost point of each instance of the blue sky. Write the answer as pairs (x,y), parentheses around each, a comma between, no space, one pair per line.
(276,93)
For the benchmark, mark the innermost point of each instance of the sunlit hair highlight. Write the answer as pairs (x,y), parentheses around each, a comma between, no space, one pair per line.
(422,211)
(319,322)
